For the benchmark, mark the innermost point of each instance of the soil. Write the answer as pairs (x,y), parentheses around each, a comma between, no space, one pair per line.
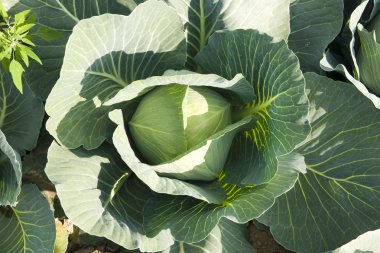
(263,241)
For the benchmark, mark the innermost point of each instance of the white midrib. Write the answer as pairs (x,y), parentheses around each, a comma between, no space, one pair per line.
(67,11)
(22,229)
(119,81)
(181,248)
(203,26)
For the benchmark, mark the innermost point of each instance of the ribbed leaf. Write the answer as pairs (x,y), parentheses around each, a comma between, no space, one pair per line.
(29,226)
(21,115)
(314,24)
(237,90)
(281,104)
(101,196)
(99,64)
(203,17)
(61,16)
(10,173)
(227,237)
(339,197)
(191,220)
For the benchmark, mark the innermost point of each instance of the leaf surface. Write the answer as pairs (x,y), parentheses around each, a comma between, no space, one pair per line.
(101,196)
(314,24)
(29,226)
(281,103)
(10,173)
(369,60)
(227,237)
(21,115)
(191,220)
(339,196)
(60,17)
(203,17)
(99,64)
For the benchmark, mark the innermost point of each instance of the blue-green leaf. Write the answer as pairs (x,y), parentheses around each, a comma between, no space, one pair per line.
(29,226)
(203,17)
(61,17)
(339,196)
(226,237)
(314,24)
(99,64)
(281,103)
(368,59)
(10,173)
(21,115)
(101,196)
(191,220)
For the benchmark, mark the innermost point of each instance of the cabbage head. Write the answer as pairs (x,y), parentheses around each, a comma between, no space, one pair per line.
(172,119)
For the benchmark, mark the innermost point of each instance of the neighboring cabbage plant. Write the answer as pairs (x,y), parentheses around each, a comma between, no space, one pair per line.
(357,56)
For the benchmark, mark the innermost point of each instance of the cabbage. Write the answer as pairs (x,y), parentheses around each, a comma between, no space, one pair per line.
(172,119)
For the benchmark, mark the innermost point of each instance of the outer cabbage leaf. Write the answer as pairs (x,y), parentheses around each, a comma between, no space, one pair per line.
(237,90)
(314,24)
(21,115)
(191,220)
(339,197)
(59,17)
(29,226)
(102,197)
(203,162)
(227,237)
(104,54)
(10,173)
(281,104)
(203,17)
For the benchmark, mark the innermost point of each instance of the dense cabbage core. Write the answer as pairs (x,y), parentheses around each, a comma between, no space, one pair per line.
(172,119)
